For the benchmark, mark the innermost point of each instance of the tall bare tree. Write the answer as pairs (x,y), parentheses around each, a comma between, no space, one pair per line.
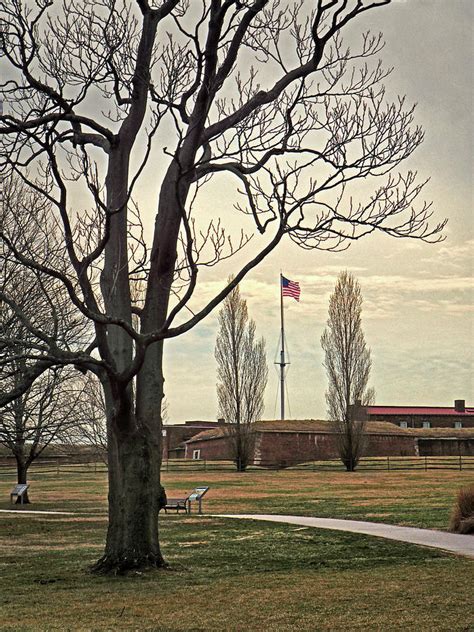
(259,93)
(348,364)
(242,375)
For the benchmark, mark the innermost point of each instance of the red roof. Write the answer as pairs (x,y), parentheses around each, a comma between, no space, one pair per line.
(417,410)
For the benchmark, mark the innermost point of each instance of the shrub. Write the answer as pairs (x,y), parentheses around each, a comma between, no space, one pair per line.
(462,517)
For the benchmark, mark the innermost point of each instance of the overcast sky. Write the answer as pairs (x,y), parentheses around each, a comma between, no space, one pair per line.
(418,307)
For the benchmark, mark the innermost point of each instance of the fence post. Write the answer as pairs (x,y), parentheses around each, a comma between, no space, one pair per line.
(426,463)
(388,463)
(460,463)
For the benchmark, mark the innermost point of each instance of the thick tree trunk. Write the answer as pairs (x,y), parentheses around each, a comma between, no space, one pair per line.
(22,472)
(135,497)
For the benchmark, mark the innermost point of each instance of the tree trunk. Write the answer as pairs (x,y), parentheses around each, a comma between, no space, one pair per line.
(22,471)
(135,492)
(135,498)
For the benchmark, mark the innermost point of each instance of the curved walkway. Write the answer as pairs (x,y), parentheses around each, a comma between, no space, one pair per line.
(452,542)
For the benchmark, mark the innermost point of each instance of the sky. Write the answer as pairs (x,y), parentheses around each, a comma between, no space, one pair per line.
(418,298)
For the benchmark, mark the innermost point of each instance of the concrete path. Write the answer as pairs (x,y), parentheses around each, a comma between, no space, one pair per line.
(20,512)
(452,542)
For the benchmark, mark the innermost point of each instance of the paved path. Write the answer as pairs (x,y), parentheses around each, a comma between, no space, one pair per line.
(19,512)
(452,542)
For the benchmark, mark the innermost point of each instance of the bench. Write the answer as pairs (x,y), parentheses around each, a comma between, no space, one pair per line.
(180,504)
(184,504)
(19,491)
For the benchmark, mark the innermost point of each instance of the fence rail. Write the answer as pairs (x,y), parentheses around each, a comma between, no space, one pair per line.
(366,464)
(394,463)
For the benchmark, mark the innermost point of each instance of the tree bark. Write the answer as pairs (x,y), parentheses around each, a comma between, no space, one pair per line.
(135,493)
(22,472)
(134,410)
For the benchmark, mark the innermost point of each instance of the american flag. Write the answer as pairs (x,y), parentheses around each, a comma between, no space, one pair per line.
(290,288)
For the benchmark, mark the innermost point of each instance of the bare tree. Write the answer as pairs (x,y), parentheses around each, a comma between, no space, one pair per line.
(242,375)
(348,364)
(93,89)
(43,415)
(91,431)
(34,314)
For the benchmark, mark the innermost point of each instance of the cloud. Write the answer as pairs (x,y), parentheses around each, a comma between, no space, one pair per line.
(456,256)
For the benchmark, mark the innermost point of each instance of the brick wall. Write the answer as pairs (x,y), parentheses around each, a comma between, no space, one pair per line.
(179,433)
(446,447)
(210,449)
(286,448)
(390,445)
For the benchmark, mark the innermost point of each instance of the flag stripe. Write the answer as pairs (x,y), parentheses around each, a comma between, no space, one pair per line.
(290,288)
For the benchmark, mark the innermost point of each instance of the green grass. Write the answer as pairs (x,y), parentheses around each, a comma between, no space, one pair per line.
(228,575)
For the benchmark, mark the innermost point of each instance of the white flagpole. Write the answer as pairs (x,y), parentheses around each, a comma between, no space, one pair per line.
(282,354)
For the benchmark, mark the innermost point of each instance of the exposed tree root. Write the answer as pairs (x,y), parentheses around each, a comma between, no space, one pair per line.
(124,565)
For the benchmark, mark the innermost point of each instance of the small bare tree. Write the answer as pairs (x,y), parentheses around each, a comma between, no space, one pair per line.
(242,373)
(348,364)
(43,415)
(92,429)
(35,314)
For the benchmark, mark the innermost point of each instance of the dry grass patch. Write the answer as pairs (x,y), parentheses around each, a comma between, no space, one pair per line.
(462,517)
(232,576)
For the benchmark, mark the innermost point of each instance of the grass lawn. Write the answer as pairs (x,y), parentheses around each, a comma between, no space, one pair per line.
(236,575)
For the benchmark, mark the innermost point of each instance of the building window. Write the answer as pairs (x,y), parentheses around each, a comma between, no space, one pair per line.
(196,454)
(404,424)
(164,432)
(427,424)
(458,424)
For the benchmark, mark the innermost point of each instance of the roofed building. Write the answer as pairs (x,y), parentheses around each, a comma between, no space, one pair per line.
(458,416)
(174,436)
(284,443)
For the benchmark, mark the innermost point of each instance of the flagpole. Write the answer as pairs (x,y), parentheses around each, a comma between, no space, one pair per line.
(282,354)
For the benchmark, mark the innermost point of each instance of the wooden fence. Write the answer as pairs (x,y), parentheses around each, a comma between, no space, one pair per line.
(188,466)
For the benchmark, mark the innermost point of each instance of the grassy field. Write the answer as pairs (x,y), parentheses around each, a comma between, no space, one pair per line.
(239,576)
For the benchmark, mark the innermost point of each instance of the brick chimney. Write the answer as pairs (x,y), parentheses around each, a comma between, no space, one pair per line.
(220,421)
(460,405)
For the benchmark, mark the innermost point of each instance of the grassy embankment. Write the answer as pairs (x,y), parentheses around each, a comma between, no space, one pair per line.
(239,576)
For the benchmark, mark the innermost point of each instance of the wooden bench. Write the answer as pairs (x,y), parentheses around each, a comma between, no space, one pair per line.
(19,491)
